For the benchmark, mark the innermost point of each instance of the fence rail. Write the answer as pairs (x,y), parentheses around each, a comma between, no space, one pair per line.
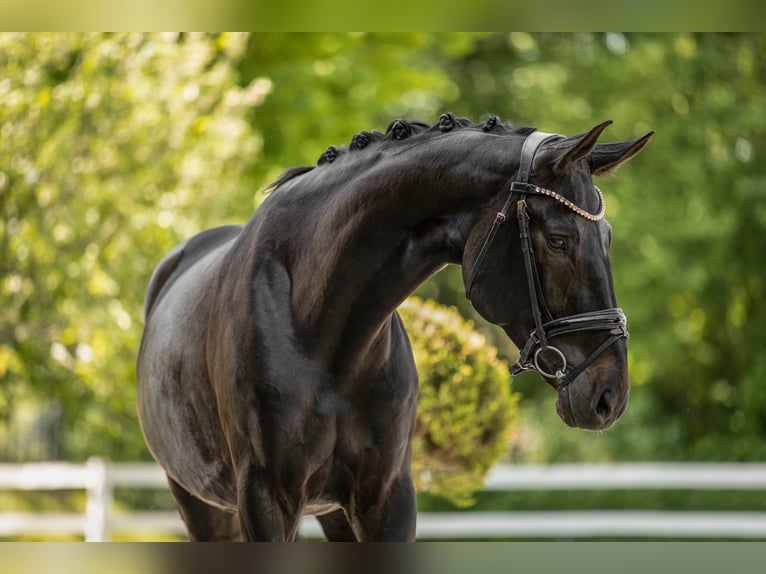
(100,520)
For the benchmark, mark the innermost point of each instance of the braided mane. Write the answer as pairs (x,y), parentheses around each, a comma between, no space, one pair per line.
(398,130)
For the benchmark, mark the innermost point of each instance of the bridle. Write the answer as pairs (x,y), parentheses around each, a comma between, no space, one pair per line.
(612,321)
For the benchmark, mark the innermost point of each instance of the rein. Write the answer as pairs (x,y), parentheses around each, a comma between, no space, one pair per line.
(613,320)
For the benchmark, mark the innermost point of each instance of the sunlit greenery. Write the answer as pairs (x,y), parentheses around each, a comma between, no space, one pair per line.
(112,149)
(115,147)
(465,405)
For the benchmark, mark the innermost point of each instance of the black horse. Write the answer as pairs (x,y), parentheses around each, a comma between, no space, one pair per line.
(275,378)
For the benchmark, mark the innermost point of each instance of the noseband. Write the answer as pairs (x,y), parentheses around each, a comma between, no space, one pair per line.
(612,321)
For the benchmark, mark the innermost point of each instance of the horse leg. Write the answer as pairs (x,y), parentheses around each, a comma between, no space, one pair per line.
(389,517)
(262,517)
(204,523)
(336,527)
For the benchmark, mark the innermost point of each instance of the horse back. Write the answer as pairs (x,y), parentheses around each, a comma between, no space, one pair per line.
(181,258)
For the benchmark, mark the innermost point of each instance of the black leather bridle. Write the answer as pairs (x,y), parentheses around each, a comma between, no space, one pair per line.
(612,321)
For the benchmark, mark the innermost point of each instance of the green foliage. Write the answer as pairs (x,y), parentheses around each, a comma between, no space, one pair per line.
(113,148)
(465,405)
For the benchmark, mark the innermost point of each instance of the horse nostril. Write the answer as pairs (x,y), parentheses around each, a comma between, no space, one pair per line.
(605,404)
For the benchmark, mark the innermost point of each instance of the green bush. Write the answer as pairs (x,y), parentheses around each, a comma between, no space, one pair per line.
(465,403)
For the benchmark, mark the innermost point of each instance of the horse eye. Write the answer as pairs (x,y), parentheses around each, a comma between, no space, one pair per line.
(557,243)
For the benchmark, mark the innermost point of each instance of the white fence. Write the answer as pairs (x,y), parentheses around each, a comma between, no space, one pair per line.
(99,479)
(100,520)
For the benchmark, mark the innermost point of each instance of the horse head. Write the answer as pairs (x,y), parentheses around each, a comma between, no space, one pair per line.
(545,276)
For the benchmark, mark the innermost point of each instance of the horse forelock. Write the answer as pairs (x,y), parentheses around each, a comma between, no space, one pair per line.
(399,130)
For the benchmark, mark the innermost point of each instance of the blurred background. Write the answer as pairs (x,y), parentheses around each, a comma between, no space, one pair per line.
(115,147)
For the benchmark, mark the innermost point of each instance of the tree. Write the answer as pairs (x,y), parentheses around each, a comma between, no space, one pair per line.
(113,148)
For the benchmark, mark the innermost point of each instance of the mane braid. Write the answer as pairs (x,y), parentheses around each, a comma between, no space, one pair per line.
(401,129)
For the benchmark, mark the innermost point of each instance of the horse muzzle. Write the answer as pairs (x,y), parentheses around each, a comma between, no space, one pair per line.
(597,398)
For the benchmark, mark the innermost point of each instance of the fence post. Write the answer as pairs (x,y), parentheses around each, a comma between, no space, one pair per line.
(99,501)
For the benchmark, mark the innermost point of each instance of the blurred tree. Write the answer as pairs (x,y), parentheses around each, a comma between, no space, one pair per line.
(112,149)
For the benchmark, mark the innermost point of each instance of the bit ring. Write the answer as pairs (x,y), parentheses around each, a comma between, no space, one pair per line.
(559,372)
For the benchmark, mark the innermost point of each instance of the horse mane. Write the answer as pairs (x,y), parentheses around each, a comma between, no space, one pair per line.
(401,129)
(289,174)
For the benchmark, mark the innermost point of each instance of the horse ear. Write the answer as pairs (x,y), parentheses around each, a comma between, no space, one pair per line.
(606,158)
(577,147)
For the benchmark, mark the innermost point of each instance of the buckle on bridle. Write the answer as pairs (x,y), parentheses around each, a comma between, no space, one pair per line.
(522,204)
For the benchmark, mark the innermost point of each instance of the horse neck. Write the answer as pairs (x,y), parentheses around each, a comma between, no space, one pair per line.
(381,227)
